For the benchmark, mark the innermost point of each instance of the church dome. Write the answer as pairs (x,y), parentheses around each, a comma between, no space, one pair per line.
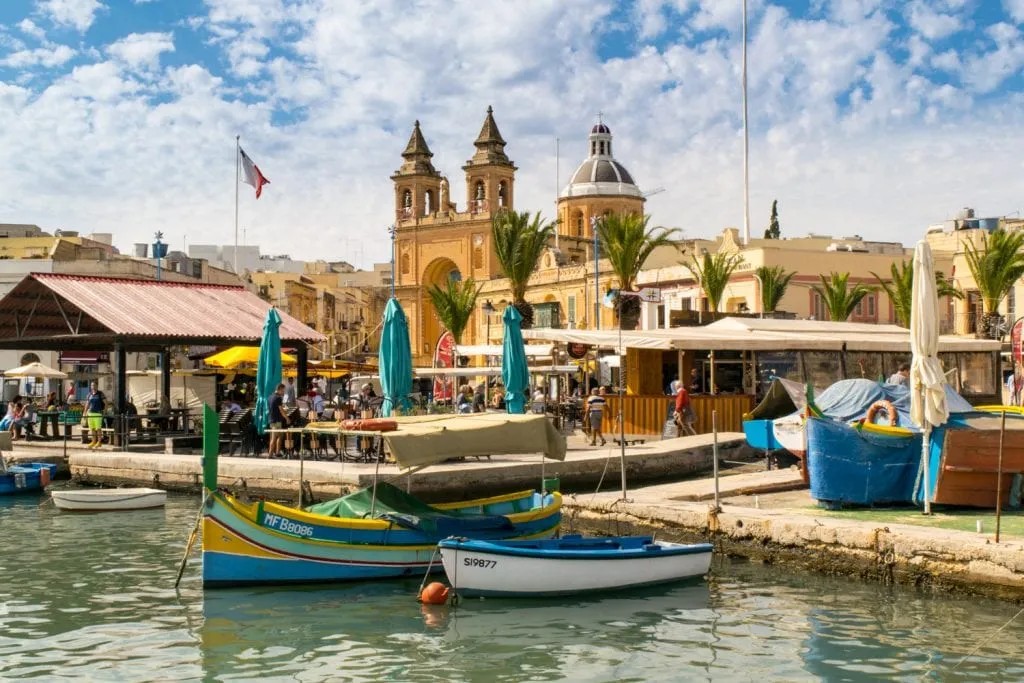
(600,174)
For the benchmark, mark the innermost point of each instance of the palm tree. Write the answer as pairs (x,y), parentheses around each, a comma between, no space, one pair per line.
(454,304)
(774,281)
(518,244)
(627,244)
(900,289)
(996,268)
(839,300)
(713,272)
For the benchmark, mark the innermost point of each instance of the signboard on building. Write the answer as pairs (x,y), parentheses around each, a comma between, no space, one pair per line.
(651,295)
(444,357)
(84,357)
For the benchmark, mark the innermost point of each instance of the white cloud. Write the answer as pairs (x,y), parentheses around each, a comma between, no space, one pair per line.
(142,50)
(48,57)
(1015,9)
(929,23)
(847,130)
(77,13)
(29,28)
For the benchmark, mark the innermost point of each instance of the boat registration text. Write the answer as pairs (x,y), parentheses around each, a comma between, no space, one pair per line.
(477,562)
(287,525)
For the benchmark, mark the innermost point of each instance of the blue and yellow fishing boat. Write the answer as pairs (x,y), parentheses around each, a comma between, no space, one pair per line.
(382,531)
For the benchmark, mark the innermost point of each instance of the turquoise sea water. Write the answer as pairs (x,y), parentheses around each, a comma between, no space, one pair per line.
(92,597)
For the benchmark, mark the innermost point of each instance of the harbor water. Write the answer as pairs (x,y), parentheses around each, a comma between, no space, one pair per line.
(92,597)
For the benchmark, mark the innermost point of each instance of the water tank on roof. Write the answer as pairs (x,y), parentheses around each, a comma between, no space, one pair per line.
(965,213)
(989,224)
(141,249)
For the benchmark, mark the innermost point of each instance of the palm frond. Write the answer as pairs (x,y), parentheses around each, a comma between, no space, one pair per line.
(713,272)
(840,301)
(454,304)
(997,266)
(519,242)
(899,287)
(628,243)
(774,282)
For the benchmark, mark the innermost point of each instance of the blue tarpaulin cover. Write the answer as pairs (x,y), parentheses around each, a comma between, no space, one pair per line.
(849,400)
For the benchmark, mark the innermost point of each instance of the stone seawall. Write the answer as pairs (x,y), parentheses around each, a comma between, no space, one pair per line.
(897,553)
(279,479)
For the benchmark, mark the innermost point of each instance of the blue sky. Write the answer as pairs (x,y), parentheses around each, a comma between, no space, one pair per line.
(870,117)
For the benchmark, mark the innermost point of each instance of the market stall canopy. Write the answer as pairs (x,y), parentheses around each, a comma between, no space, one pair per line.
(48,311)
(431,439)
(492,371)
(495,350)
(753,334)
(35,370)
(240,355)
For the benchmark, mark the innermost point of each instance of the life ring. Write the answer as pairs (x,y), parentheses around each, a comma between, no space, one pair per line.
(887,406)
(370,425)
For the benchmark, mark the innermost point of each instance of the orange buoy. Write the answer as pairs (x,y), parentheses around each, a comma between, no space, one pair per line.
(435,593)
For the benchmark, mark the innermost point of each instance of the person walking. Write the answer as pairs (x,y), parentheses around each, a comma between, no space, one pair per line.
(278,420)
(684,416)
(479,404)
(595,413)
(95,404)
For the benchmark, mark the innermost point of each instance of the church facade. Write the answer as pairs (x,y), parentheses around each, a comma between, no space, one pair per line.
(436,240)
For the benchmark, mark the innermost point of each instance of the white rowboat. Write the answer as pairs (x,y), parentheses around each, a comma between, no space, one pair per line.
(567,566)
(98,500)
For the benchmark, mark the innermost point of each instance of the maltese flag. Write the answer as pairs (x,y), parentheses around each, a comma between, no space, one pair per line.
(253,176)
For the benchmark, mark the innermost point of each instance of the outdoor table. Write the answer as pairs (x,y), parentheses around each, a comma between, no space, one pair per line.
(51,417)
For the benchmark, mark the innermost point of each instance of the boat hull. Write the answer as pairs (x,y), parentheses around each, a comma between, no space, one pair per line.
(30,477)
(103,500)
(865,466)
(265,543)
(484,569)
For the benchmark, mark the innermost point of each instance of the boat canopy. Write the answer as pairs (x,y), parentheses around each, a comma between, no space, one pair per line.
(429,439)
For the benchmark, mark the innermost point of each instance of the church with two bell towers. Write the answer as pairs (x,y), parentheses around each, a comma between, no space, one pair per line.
(436,240)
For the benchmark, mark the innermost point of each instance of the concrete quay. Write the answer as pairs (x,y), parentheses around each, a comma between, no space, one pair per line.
(583,468)
(806,539)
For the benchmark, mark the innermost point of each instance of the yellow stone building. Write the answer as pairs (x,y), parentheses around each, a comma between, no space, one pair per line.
(435,241)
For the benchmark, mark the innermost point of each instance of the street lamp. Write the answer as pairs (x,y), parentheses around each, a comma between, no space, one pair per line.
(393,230)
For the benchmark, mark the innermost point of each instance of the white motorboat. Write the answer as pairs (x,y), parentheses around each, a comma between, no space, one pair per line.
(99,500)
(568,566)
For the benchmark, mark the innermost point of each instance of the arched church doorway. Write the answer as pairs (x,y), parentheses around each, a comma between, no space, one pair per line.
(438,272)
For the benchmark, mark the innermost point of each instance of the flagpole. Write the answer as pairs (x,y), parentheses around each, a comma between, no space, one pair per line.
(746,138)
(238,166)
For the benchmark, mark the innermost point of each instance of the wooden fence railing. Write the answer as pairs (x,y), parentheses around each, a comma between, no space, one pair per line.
(647,414)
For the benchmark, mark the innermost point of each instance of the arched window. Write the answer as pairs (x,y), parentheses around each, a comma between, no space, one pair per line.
(29,358)
(577,222)
(428,203)
(407,199)
(602,146)
(502,194)
(455,276)
(593,148)
(480,193)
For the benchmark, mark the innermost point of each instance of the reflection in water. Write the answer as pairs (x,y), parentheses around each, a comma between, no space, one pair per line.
(91,596)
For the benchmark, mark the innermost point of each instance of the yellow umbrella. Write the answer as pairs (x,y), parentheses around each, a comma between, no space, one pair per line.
(240,355)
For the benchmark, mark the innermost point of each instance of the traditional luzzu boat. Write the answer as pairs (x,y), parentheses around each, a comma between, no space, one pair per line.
(382,531)
(863,450)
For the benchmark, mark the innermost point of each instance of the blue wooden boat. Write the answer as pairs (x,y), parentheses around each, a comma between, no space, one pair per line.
(861,464)
(568,566)
(29,477)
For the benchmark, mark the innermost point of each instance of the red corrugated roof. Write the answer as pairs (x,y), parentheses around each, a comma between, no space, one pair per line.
(147,308)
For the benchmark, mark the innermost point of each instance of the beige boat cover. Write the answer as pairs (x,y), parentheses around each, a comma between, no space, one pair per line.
(429,439)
